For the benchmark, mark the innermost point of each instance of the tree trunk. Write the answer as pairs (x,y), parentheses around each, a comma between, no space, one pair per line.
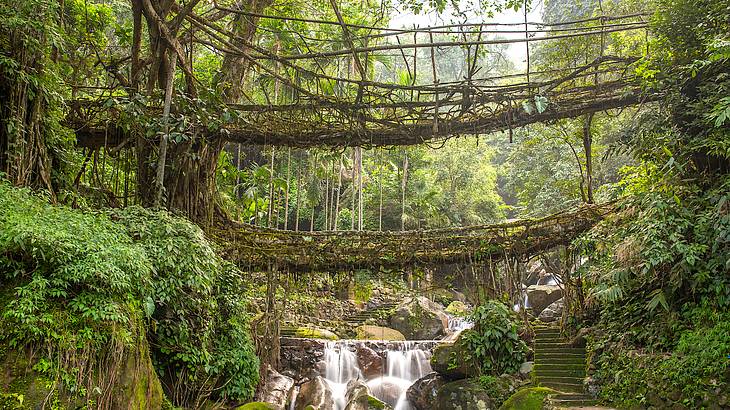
(404,185)
(588,149)
(286,198)
(24,156)
(159,181)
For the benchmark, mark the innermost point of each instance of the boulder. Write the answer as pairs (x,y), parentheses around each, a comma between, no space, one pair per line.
(420,319)
(450,360)
(369,332)
(462,395)
(314,333)
(541,296)
(276,390)
(388,389)
(526,368)
(369,361)
(257,405)
(528,398)
(315,393)
(553,312)
(423,391)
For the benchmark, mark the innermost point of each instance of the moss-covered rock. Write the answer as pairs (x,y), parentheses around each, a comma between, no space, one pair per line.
(529,398)
(368,332)
(257,405)
(457,308)
(452,361)
(419,318)
(126,380)
(315,333)
(463,395)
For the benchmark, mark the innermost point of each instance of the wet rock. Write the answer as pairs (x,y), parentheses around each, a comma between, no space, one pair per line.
(370,362)
(579,340)
(541,296)
(276,390)
(420,319)
(462,395)
(315,393)
(369,332)
(553,312)
(422,393)
(450,361)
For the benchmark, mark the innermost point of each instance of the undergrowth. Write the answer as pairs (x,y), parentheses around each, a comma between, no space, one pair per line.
(78,281)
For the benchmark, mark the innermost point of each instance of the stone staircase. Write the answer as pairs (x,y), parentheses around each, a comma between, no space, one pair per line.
(560,367)
(362,316)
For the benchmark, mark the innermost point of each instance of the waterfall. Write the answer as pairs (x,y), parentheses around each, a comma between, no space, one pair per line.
(524,304)
(340,366)
(405,362)
(404,365)
(459,324)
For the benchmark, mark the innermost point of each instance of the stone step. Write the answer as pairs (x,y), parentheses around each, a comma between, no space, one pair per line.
(573,366)
(569,350)
(571,399)
(552,344)
(547,332)
(564,387)
(560,372)
(563,363)
(560,379)
(560,352)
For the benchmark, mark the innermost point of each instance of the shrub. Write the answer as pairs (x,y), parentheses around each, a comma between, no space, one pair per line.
(494,343)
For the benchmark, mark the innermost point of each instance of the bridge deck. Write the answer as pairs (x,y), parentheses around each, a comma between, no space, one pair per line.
(257,248)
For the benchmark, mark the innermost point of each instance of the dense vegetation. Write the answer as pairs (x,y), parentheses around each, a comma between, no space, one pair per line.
(78,283)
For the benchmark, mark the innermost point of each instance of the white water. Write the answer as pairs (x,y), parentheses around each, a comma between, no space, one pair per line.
(405,363)
(524,304)
(550,280)
(459,324)
(340,367)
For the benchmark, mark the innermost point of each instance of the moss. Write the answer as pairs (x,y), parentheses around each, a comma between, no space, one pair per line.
(313,333)
(375,404)
(367,332)
(457,308)
(257,405)
(530,398)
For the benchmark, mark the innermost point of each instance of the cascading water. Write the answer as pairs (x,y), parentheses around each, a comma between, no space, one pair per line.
(404,365)
(459,324)
(340,365)
(405,362)
(524,304)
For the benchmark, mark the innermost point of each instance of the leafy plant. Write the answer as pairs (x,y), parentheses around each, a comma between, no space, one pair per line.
(494,343)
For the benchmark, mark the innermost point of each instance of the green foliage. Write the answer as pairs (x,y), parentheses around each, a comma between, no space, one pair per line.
(79,277)
(494,343)
(695,374)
